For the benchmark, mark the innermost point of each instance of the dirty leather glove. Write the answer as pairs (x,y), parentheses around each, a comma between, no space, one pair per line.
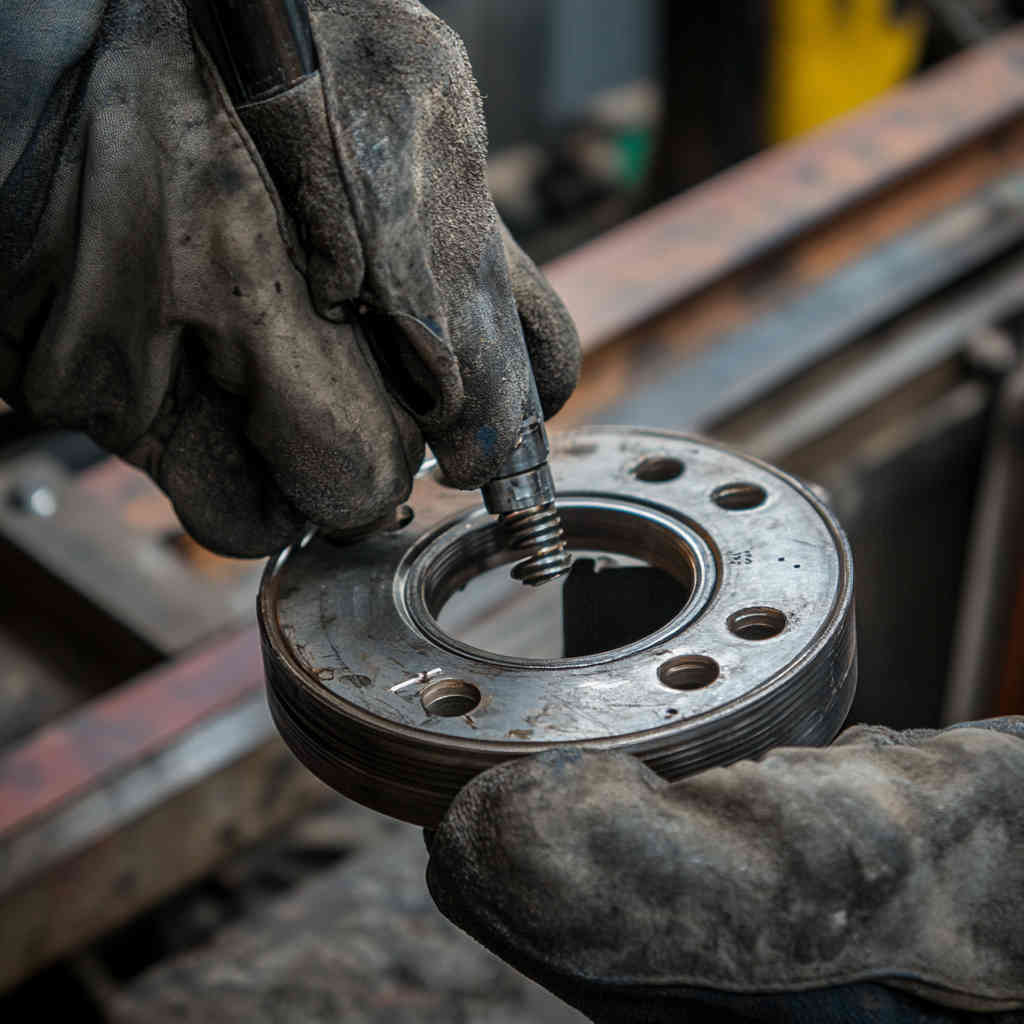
(880,879)
(269,309)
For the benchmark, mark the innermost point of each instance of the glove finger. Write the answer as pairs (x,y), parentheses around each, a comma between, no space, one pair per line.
(537,860)
(403,319)
(293,139)
(808,869)
(551,338)
(317,410)
(400,312)
(180,268)
(505,867)
(413,160)
(468,406)
(340,450)
(197,453)
(494,369)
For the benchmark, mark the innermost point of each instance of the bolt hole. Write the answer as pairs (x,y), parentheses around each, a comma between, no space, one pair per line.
(688,672)
(450,698)
(756,623)
(579,449)
(658,469)
(738,497)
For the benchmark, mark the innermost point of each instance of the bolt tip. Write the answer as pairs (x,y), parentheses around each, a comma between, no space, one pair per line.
(532,575)
(538,532)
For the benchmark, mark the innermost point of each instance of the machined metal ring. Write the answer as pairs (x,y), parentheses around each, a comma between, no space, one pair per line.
(388,707)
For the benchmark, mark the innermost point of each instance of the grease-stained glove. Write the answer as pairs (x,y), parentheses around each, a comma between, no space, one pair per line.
(880,879)
(212,321)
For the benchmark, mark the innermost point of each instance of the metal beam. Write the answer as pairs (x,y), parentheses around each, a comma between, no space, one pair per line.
(655,261)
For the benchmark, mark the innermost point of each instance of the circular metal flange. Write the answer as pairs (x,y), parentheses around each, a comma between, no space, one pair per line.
(384,705)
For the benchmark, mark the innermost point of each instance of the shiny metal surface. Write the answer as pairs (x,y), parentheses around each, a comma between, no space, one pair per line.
(538,531)
(384,705)
(523,496)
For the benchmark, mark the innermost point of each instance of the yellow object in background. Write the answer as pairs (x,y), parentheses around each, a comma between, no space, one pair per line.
(829,56)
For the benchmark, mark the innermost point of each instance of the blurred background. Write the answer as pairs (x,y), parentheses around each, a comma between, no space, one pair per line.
(794,225)
(598,109)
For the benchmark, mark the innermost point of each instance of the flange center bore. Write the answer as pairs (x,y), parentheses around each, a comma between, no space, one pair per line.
(465,547)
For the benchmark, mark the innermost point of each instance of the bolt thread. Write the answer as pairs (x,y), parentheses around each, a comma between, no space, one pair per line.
(539,531)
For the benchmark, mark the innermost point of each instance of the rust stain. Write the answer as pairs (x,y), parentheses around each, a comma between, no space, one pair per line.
(645,266)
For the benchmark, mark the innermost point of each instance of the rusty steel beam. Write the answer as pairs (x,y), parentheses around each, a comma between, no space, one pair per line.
(87,803)
(110,535)
(746,365)
(650,264)
(994,555)
(633,359)
(231,803)
(135,794)
(120,728)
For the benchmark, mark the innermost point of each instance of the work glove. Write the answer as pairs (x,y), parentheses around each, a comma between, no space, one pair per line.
(880,879)
(267,308)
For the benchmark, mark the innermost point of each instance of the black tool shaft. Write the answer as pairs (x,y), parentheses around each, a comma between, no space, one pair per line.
(261,47)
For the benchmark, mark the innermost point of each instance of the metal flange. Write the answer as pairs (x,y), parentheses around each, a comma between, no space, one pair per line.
(387,707)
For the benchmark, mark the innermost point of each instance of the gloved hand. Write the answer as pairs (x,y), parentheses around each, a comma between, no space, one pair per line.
(880,879)
(160,292)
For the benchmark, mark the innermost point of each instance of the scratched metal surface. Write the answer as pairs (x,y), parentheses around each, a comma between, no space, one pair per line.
(351,630)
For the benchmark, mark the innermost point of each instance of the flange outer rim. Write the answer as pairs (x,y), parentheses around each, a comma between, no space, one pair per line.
(447,763)
(647,740)
(402,798)
(312,690)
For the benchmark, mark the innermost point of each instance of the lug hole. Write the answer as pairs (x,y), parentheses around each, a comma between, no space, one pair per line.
(576,449)
(756,623)
(688,672)
(658,469)
(738,497)
(449,698)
